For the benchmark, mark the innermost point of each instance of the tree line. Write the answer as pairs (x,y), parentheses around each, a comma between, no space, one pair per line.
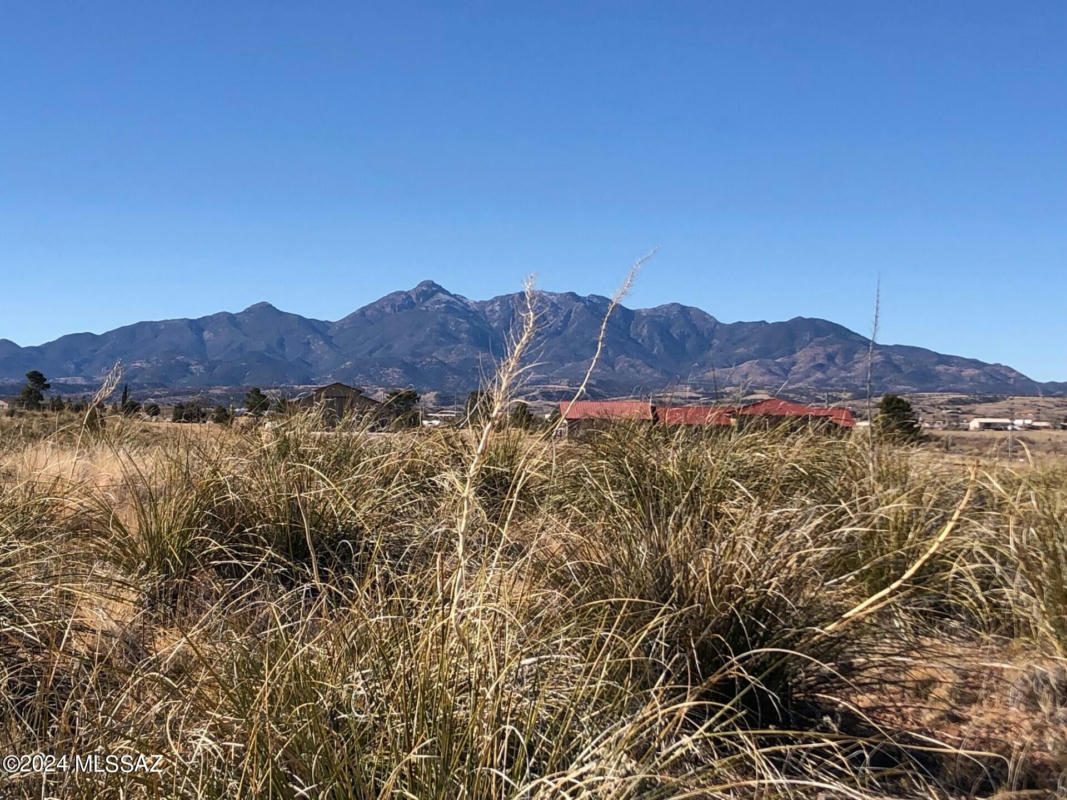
(896,417)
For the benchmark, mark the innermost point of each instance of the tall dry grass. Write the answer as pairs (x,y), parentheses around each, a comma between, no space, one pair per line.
(646,614)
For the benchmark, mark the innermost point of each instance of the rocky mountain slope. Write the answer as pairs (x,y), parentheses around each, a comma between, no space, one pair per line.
(434,340)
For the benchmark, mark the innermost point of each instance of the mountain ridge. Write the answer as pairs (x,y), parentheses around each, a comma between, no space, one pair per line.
(435,340)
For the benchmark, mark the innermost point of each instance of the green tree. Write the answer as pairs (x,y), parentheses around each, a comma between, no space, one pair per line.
(521,417)
(256,402)
(128,407)
(152,410)
(404,404)
(187,412)
(897,419)
(55,403)
(32,395)
(221,415)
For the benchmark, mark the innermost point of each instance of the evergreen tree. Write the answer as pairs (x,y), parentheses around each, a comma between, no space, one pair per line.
(32,395)
(221,415)
(256,402)
(128,407)
(897,419)
(187,412)
(55,403)
(521,417)
(404,404)
(152,410)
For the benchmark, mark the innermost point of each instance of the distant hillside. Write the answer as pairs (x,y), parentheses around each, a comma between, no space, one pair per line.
(434,340)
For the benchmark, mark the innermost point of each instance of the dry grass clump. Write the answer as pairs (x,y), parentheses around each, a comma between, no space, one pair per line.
(490,613)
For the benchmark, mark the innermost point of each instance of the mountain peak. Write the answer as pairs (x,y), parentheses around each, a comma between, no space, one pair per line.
(428,285)
(262,305)
(427,289)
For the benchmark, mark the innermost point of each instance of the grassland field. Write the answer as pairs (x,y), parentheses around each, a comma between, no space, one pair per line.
(495,614)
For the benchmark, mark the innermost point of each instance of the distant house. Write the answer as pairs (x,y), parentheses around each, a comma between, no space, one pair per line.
(772,408)
(338,400)
(716,416)
(990,424)
(442,417)
(582,416)
(595,415)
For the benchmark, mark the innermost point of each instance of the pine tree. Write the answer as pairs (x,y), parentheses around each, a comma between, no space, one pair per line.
(256,402)
(32,395)
(404,404)
(897,419)
(187,412)
(128,407)
(521,417)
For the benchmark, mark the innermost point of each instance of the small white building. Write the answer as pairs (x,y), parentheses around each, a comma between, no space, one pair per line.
(990,424)
(443,416)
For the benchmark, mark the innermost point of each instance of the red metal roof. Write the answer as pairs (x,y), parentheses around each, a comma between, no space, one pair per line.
(773,407)
(607,409)
(699,415)
(843,417)
(694,415)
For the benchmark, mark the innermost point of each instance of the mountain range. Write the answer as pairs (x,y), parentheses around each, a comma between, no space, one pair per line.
(434,340)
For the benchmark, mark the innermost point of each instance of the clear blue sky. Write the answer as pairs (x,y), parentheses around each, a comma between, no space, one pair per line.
(175,159)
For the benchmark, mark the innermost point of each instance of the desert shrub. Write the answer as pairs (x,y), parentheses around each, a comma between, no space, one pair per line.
(718,568)
(1022,534)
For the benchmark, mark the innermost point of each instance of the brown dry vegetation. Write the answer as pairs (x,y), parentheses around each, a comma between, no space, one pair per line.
(1017,446)
(755,614)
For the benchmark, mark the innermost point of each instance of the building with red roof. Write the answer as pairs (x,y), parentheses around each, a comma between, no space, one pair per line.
(597,414)
(694,415)
(773,407)
(607,409)
(582,415)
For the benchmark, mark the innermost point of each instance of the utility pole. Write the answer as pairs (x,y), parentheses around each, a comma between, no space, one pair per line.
(1011,427)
